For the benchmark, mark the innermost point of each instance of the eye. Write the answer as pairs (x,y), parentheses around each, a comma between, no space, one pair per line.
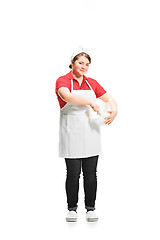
(80,62)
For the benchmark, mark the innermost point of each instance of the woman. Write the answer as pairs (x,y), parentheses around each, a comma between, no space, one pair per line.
(79,140)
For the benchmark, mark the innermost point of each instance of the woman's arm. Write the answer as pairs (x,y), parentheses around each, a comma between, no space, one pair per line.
(113,105)
(71,98)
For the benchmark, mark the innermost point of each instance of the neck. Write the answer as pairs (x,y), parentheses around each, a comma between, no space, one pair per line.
(77,76)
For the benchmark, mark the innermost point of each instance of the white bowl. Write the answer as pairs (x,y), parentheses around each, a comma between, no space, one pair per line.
(99,119)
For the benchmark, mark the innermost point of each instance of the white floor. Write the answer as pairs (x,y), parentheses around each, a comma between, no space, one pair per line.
(33,205)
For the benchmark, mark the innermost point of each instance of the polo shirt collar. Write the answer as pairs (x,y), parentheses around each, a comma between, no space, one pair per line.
(70,76)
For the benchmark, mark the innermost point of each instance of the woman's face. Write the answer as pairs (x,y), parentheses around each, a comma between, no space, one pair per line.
(80,66)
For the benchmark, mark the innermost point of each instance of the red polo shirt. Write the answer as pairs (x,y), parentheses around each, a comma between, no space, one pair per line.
(65,81)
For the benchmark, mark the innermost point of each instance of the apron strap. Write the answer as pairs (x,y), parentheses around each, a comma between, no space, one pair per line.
(89,85)
(71,85)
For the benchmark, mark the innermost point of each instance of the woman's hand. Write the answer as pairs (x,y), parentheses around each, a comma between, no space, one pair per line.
(95,107)
(111,117)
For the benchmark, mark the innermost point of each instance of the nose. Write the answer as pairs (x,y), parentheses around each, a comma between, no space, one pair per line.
(82,68)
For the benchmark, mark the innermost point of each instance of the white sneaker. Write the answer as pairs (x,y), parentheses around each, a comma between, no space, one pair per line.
(91,216)
(71,216)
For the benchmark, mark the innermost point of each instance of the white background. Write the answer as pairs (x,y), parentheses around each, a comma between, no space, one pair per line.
(37,39)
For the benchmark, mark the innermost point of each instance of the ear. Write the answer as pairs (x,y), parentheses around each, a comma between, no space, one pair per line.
(72,62)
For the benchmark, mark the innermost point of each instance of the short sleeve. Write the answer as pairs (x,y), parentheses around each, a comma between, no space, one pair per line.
(62,82)
(99,90)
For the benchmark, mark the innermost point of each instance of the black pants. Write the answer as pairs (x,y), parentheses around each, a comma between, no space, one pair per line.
(89,168)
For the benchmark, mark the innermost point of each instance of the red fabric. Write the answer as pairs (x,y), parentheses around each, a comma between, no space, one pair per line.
(65,81)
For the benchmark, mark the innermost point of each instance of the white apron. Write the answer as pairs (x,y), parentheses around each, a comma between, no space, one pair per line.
(78,137)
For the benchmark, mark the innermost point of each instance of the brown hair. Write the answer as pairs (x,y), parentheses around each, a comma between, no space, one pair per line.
(81,54)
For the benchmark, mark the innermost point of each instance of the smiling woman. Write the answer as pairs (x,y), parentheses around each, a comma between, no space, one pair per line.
(79,139)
